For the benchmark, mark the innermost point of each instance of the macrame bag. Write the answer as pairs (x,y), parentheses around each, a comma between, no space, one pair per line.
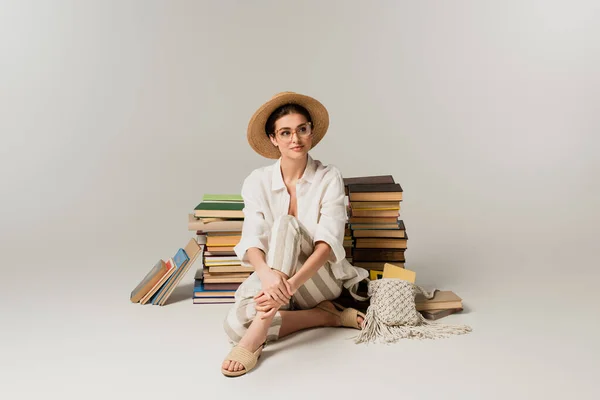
(392,314)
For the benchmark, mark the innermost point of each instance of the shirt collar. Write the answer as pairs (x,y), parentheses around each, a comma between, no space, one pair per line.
(308,175)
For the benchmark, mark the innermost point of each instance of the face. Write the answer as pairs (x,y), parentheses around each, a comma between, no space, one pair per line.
(289,137)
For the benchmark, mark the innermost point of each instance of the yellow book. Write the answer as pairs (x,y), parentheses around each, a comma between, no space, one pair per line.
(375,274)
(394,271)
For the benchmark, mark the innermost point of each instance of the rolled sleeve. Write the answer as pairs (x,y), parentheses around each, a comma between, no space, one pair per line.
(332,218)
(255,231)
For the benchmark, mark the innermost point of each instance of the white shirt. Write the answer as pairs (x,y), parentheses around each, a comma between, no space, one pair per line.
(321,209)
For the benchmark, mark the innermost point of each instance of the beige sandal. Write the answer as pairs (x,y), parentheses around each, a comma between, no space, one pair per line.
(245,357)
(349,316)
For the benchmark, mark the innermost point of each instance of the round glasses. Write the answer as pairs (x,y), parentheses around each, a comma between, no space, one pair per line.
(302,131)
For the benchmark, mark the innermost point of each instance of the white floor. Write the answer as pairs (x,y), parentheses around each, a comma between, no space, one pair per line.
(69,332)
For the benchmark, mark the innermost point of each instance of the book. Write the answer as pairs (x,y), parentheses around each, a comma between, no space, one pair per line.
(219,210)
(362,180)
(229,269)
(223,240)
(221,258)
(170,269)
(236,263)
(373,220)
(222,198)
(151,278)
(375,192)
(201,291)
(221,286)
(375,205)
(193,251)
(180,259)
(442,300)
(225,278)
(375,213)
(374,231)
(437,314)
(374,265)
(196,224)
(398,272)
(375,274)
(381,243)
(213,300)
(379,233)
(221,249)
(357,227)
(375,254)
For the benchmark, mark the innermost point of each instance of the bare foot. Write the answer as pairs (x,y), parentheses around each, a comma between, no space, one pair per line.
(333,319)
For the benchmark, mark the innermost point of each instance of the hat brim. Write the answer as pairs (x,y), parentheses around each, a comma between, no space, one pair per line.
(257,136)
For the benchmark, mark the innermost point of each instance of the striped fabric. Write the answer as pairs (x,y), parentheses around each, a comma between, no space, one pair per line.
(290,246)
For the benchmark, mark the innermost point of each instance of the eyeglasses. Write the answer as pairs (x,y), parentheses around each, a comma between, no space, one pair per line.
(302,131)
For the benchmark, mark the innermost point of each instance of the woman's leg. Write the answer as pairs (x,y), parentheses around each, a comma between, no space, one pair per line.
(244,324)
(255,336)
(294,321)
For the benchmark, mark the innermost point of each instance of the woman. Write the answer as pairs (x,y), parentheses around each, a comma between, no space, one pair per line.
(293,232)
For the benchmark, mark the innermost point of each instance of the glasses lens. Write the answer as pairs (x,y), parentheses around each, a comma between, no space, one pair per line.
(284,134)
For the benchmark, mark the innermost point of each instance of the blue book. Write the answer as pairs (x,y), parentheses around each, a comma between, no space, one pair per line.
(180,260)
(199,291)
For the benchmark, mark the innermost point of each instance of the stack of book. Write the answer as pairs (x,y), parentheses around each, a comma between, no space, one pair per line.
(218,221)
(377,232)
(158,284)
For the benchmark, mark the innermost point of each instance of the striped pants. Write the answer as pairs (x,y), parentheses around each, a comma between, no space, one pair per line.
(290,245)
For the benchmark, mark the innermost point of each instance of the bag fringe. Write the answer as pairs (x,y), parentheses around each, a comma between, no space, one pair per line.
(375,331)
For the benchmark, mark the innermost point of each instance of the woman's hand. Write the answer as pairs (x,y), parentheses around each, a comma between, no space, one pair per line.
(267,304)
(275,286)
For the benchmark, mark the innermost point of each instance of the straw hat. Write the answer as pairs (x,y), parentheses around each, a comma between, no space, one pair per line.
(257,135)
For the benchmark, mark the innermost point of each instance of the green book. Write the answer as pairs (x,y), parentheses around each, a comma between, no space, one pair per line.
(233,206)
(223,197)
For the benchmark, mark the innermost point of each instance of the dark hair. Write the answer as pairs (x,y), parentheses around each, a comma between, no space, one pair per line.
(283,110)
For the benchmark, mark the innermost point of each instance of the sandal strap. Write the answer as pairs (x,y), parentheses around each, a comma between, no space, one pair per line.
(245,357)
(349,318)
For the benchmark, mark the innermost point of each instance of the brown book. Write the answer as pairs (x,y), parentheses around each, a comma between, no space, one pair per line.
(375,213)
(224,233)
(442,300)
(379,233)
(213,300)
(224,279)
(437,314)
(377,192)
(375,265)
(221,249)
(221,286)
(220,253)
(381,243)
(212,294)
(374,226)
(374,254)
(196,224)
(362,180)
(229,269)
(372,220)
(151,279)
(375,205)
(373,179)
